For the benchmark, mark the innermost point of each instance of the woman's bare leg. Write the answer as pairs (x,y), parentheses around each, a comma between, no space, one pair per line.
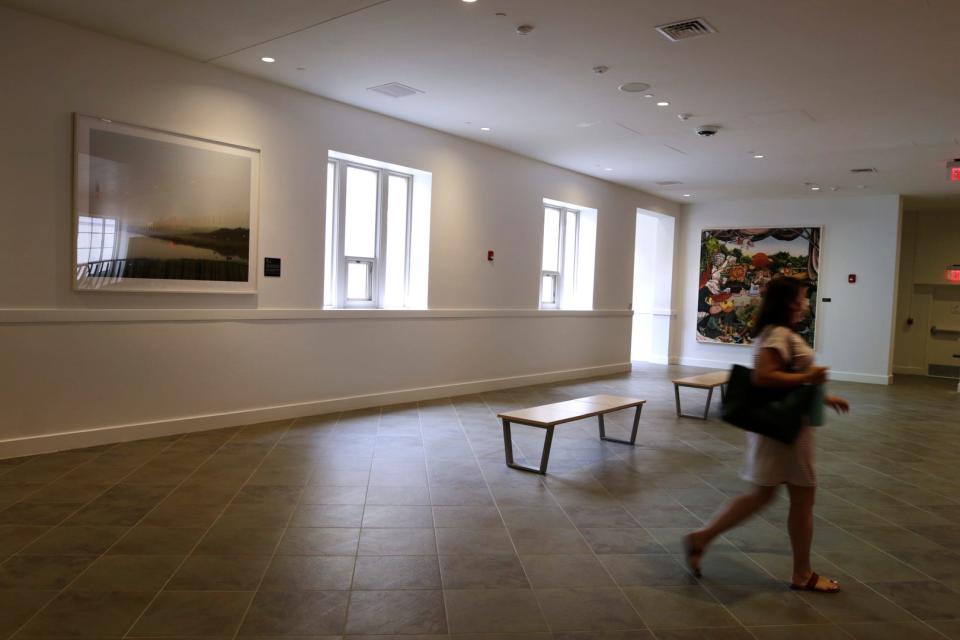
(800,527)
(732,514)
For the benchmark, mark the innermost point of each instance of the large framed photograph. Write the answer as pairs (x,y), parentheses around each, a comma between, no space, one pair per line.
(736,264)
(163,212)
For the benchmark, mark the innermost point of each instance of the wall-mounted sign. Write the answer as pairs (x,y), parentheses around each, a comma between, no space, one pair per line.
(271,267)
(953,273)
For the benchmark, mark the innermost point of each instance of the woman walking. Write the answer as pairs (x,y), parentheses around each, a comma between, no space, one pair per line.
(783,360)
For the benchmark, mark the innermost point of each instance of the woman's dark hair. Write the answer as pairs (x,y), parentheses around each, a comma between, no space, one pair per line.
(781,293)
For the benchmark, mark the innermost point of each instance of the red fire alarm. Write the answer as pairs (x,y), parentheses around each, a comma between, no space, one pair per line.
(490,256)
(852,278)
(953,273)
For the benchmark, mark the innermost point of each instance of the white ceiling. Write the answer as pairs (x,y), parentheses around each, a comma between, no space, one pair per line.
(817,86)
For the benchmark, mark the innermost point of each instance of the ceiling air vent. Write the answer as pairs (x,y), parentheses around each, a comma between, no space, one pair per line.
(685,29)
(395,90)
(667,183)
(864,170)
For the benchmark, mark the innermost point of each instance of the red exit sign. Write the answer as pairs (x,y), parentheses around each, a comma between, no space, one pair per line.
(953,170)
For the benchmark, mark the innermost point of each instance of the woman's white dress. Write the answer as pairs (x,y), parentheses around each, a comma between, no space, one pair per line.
(770,462)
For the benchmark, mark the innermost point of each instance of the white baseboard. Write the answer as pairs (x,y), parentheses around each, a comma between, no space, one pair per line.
(866,378)
(909,371)
(840,376)
(47,443)
(655,360)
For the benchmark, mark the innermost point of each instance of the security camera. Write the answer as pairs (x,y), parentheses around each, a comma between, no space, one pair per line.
(707,130)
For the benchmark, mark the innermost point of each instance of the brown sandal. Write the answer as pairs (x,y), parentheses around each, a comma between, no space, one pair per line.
(812,585)
(692,552)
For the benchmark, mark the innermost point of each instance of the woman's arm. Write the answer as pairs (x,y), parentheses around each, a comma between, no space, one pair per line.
(771,371)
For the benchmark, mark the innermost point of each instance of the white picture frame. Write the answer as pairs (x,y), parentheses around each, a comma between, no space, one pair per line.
(158,211)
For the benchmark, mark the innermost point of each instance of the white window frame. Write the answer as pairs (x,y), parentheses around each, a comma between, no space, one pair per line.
(376,281)
(560,274)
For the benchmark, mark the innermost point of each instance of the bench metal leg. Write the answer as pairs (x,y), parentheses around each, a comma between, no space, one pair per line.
(544,457)
(633,434)
(723,394)
(706,409)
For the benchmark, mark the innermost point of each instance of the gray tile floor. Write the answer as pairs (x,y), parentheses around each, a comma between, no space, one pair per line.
(405,521)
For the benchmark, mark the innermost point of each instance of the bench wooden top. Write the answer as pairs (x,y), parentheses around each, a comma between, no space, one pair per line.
(559,412)
(705,380)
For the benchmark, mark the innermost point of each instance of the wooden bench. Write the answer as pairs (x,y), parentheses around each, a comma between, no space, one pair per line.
(550,415)
(709,381)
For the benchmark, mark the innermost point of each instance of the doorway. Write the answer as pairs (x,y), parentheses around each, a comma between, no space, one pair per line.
(652,287)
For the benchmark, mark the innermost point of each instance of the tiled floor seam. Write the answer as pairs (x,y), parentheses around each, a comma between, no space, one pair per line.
(496,505)
(105,551)
(207,530)
(276,546)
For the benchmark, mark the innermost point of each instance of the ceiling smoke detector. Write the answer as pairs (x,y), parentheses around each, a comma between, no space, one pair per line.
(634,87)
(685,29)
(667,183)
(601,68)
(524,29)
(395,90)
(864,170)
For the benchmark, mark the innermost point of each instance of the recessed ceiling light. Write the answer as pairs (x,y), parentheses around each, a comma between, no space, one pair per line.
(814,188)
(268,59)
(484,128)
(663,103)
(608,168)
(469,1)
(648,95)
(634,87)
(686,195)
(758,156)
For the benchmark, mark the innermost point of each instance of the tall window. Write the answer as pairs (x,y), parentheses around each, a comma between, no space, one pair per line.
(566,271)
(561,227)
(370,231)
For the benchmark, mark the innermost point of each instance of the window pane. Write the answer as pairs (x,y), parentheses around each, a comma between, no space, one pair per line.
(551,239)
(397,190)
(358,281)
(548,289)
(569,257)
(360,233)
(83,240)
(82,256)
(328,238)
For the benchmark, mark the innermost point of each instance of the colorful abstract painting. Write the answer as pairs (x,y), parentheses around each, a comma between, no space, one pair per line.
(736,264)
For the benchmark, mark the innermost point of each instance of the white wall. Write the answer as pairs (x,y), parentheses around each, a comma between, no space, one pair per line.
(931,242)
(111,366)
(860,235)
